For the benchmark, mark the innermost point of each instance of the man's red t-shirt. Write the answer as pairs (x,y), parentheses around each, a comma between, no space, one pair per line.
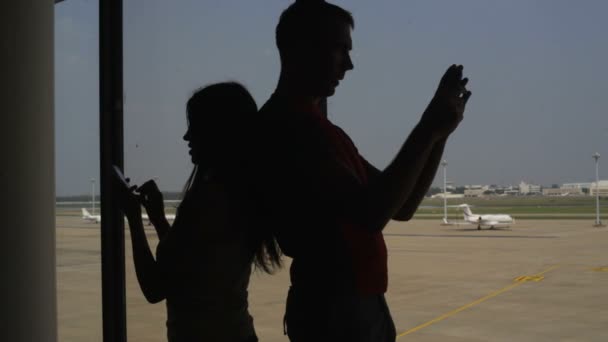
(305,137)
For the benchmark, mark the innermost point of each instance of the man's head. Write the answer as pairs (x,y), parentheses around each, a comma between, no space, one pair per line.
(313,38)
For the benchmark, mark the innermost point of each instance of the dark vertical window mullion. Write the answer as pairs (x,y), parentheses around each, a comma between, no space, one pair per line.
(111,153)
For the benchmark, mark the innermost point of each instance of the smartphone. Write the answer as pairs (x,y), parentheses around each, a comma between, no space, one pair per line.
(120,176)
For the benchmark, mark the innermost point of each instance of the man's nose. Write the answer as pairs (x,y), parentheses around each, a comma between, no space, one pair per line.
(349,63)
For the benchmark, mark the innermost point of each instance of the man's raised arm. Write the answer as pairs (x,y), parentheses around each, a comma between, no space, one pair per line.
(421,186)
(397,191)
(408,209)
(320,183)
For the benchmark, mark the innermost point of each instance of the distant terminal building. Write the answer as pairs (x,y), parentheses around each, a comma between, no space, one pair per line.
(529,189)
(447,195)
(563,192)
(581,186)
(449,186)
(501,190)
(477,187)
(601,188)
(475,190)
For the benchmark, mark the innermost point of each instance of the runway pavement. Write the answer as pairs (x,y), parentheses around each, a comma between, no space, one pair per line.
(540,280)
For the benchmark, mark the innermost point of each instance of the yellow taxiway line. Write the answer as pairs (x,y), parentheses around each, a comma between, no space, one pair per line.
(518,281)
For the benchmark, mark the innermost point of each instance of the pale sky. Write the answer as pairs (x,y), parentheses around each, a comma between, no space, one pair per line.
(537,71)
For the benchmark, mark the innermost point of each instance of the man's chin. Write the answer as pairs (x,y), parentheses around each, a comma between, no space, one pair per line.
(328,91)
(323,91)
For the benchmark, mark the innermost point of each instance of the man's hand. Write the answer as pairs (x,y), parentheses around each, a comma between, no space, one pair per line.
(152,199)
(446,109)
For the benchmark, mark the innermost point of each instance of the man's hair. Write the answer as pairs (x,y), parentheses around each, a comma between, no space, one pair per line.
(306,22)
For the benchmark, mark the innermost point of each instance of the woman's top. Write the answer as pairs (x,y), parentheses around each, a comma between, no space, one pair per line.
(205,261)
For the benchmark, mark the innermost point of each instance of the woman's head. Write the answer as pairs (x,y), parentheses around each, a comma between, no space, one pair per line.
(218,118)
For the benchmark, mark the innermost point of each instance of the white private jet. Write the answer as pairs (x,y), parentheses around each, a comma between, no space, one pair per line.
(97,218)
(486,220)
(88,217)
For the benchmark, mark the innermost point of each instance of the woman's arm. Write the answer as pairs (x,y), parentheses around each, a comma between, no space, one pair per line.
(146,267)
(152,199)
(161,225)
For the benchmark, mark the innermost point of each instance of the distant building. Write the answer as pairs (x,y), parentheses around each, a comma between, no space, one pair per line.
(448,195)
(449,186)
(563,192)
(477,187)
(529,189)
(602,188)
(580,186)
(510,190)
(473,192)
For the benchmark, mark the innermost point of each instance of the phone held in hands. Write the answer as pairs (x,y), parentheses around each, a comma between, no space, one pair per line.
(121,177)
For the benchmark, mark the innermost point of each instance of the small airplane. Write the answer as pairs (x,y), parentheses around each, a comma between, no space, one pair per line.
(97,218)
(88,217)
(486,220)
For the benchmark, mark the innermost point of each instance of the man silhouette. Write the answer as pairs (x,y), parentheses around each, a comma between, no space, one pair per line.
(325,203)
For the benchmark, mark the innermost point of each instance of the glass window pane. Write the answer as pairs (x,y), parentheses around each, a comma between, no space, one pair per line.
(171,49)
(77,170)
(537,76)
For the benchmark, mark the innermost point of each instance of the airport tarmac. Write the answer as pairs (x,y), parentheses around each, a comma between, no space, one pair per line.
(540,280)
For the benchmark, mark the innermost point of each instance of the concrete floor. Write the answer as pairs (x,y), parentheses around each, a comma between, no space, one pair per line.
(540,280)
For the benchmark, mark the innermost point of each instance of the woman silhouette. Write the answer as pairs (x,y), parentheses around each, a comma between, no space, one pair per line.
(203,262)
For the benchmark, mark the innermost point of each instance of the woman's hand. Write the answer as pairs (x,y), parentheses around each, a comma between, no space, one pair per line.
(152,199)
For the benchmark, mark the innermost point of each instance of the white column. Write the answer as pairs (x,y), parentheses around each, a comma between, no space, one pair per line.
(27,176)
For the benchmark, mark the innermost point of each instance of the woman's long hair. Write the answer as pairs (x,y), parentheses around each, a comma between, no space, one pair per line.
(224,114)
